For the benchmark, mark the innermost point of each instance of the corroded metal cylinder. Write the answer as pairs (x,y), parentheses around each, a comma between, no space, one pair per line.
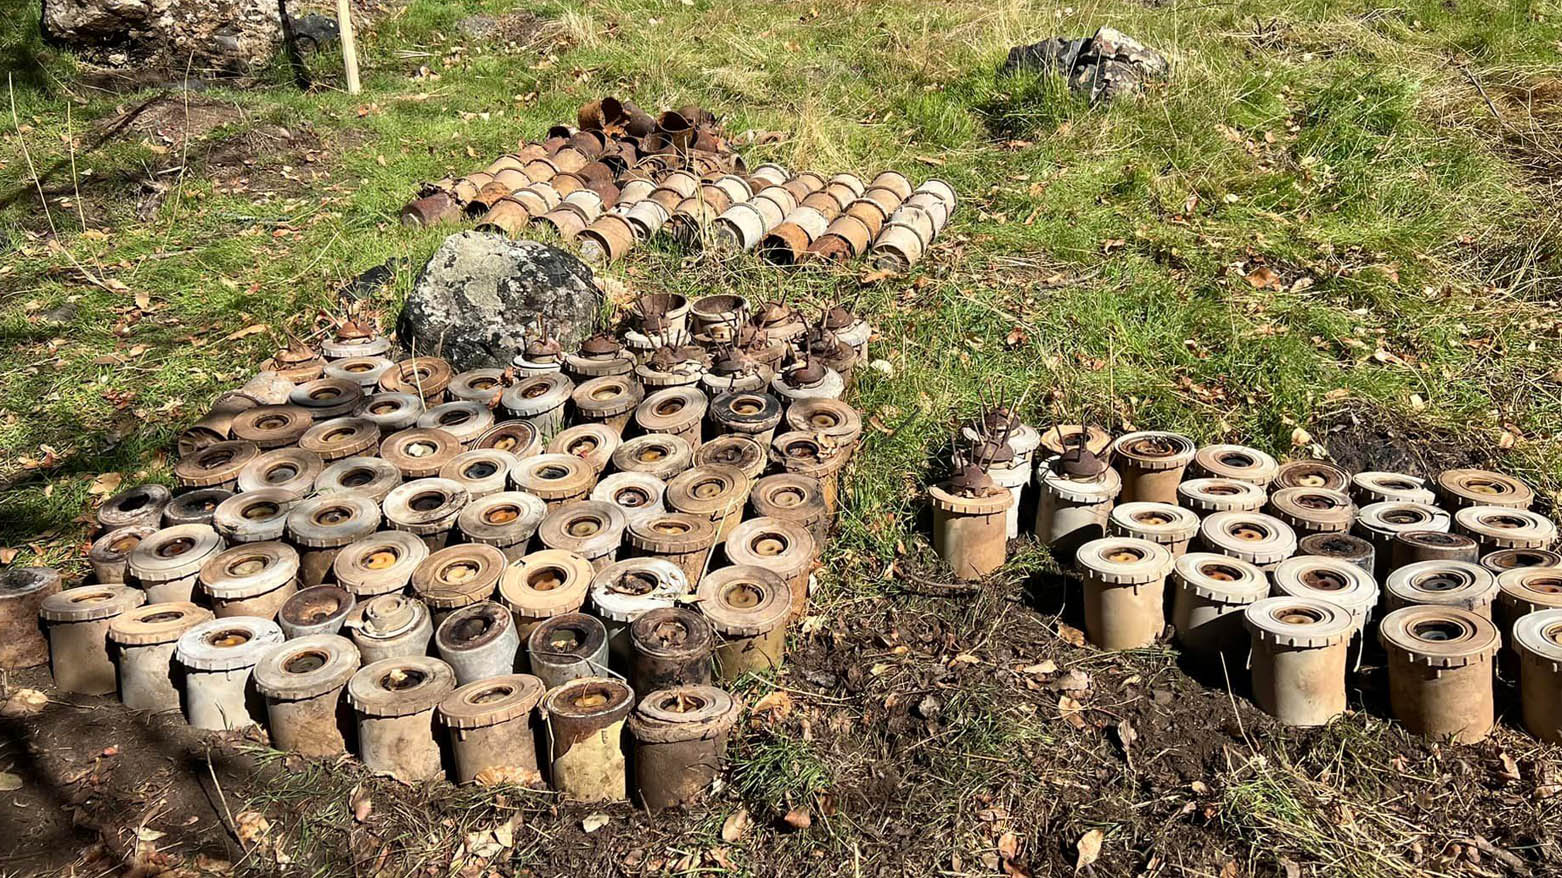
(478,642)
(395,699)
(680,738)
(585,721)
(567,647)
(321,609)
(490,723)
(683,539)
(1440,670)
(390,626)
(302,681)
(1344,547)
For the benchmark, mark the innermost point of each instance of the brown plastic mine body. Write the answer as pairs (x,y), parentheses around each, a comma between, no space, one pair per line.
(585,722)
(970,533)
(748,608)
(490,723)
(143,641)
(818,457)
(1537,638)
(78,621)
(395,701)
(1440,671)
(1234,462)
(1310,474)
(680,738)
(217,659)
(23,591)
(110,553)
(559,479)
(715,491)
(458,576)
(670,646)
(1312,510)
(1162,523)
(1459,488)
(302,681)
(255,516)
(1504,560)
(1124,581)
(320,609)
(1299,654)
(194,507)
(679,537)
(1151,464)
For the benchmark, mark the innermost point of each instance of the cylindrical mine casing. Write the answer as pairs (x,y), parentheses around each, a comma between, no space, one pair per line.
(141,505)
(1379,523)
(683,539)
(250,579)
(78,621)
(23,591)
(1237,462)
(1504,560)
(167,564)
(748,608)
(679,411)
(1209,495)
(1410,547)
(490,725)
(625,590)
(1124,582)
(589,528)
(1071,511)
(321,525)
(585,720)
(1251,536)
(144,640)
(1381,487)
(255,516)
(1440,670)
(458,576)
(715,491)
(395,700)
(1498,527)
(218,657)
(1211,591)
(1459,488)
(1442,583)
(568,647)
(478,642)
(1310,474)
(319,609)
(390,626)
(380,563)
(755,414)
(670,646)
(109,557)
(1299,657)
(680,738)
(1339,582)
(818,457)
(1162,523)
(302,681)
(1312,510)
(786,548)
(1151,464)
(1537,637)
(970,533)
(1345,547)
(426,508)
(505,520)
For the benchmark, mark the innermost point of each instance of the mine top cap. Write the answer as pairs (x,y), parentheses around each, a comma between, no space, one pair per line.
(1078,463)
(838,317)
(600,345)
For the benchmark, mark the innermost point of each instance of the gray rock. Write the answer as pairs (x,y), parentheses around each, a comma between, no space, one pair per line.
(1108,65)
(480,294)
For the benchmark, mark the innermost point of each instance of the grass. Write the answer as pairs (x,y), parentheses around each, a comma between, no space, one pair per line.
(1333,231)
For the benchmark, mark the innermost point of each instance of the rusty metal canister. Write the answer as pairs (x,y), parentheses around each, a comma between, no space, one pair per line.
(395,700)
(319,609)
(1380,523)
(77,621)
(490,723)
(567,647)
(1412,546)
(585,721)
(302,681)
(23,591)
(670,646)
(1459,488)
(478,641)
(680,738)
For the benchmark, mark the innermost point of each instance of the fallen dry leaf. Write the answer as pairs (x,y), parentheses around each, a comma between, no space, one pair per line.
(735,825)
(361,804)
(1071,635)
(594,822)
(24,702)
(252,329)
(1089,847)
(778,704)
(105,484)
(798,818)
(1071,711)
(251,827)
(1262,277)
(9,781)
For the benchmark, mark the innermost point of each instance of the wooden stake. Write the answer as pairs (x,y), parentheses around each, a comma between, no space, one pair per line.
(344,24)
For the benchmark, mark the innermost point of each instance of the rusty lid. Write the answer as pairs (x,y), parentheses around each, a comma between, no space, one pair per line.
(971,480)
(600,346)
(544,349)
(1078,463)
(809,373)
(838,317)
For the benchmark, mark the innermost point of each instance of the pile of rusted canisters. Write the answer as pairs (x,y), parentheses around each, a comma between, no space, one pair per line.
(621,176)
(591,541)
(1287,568)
